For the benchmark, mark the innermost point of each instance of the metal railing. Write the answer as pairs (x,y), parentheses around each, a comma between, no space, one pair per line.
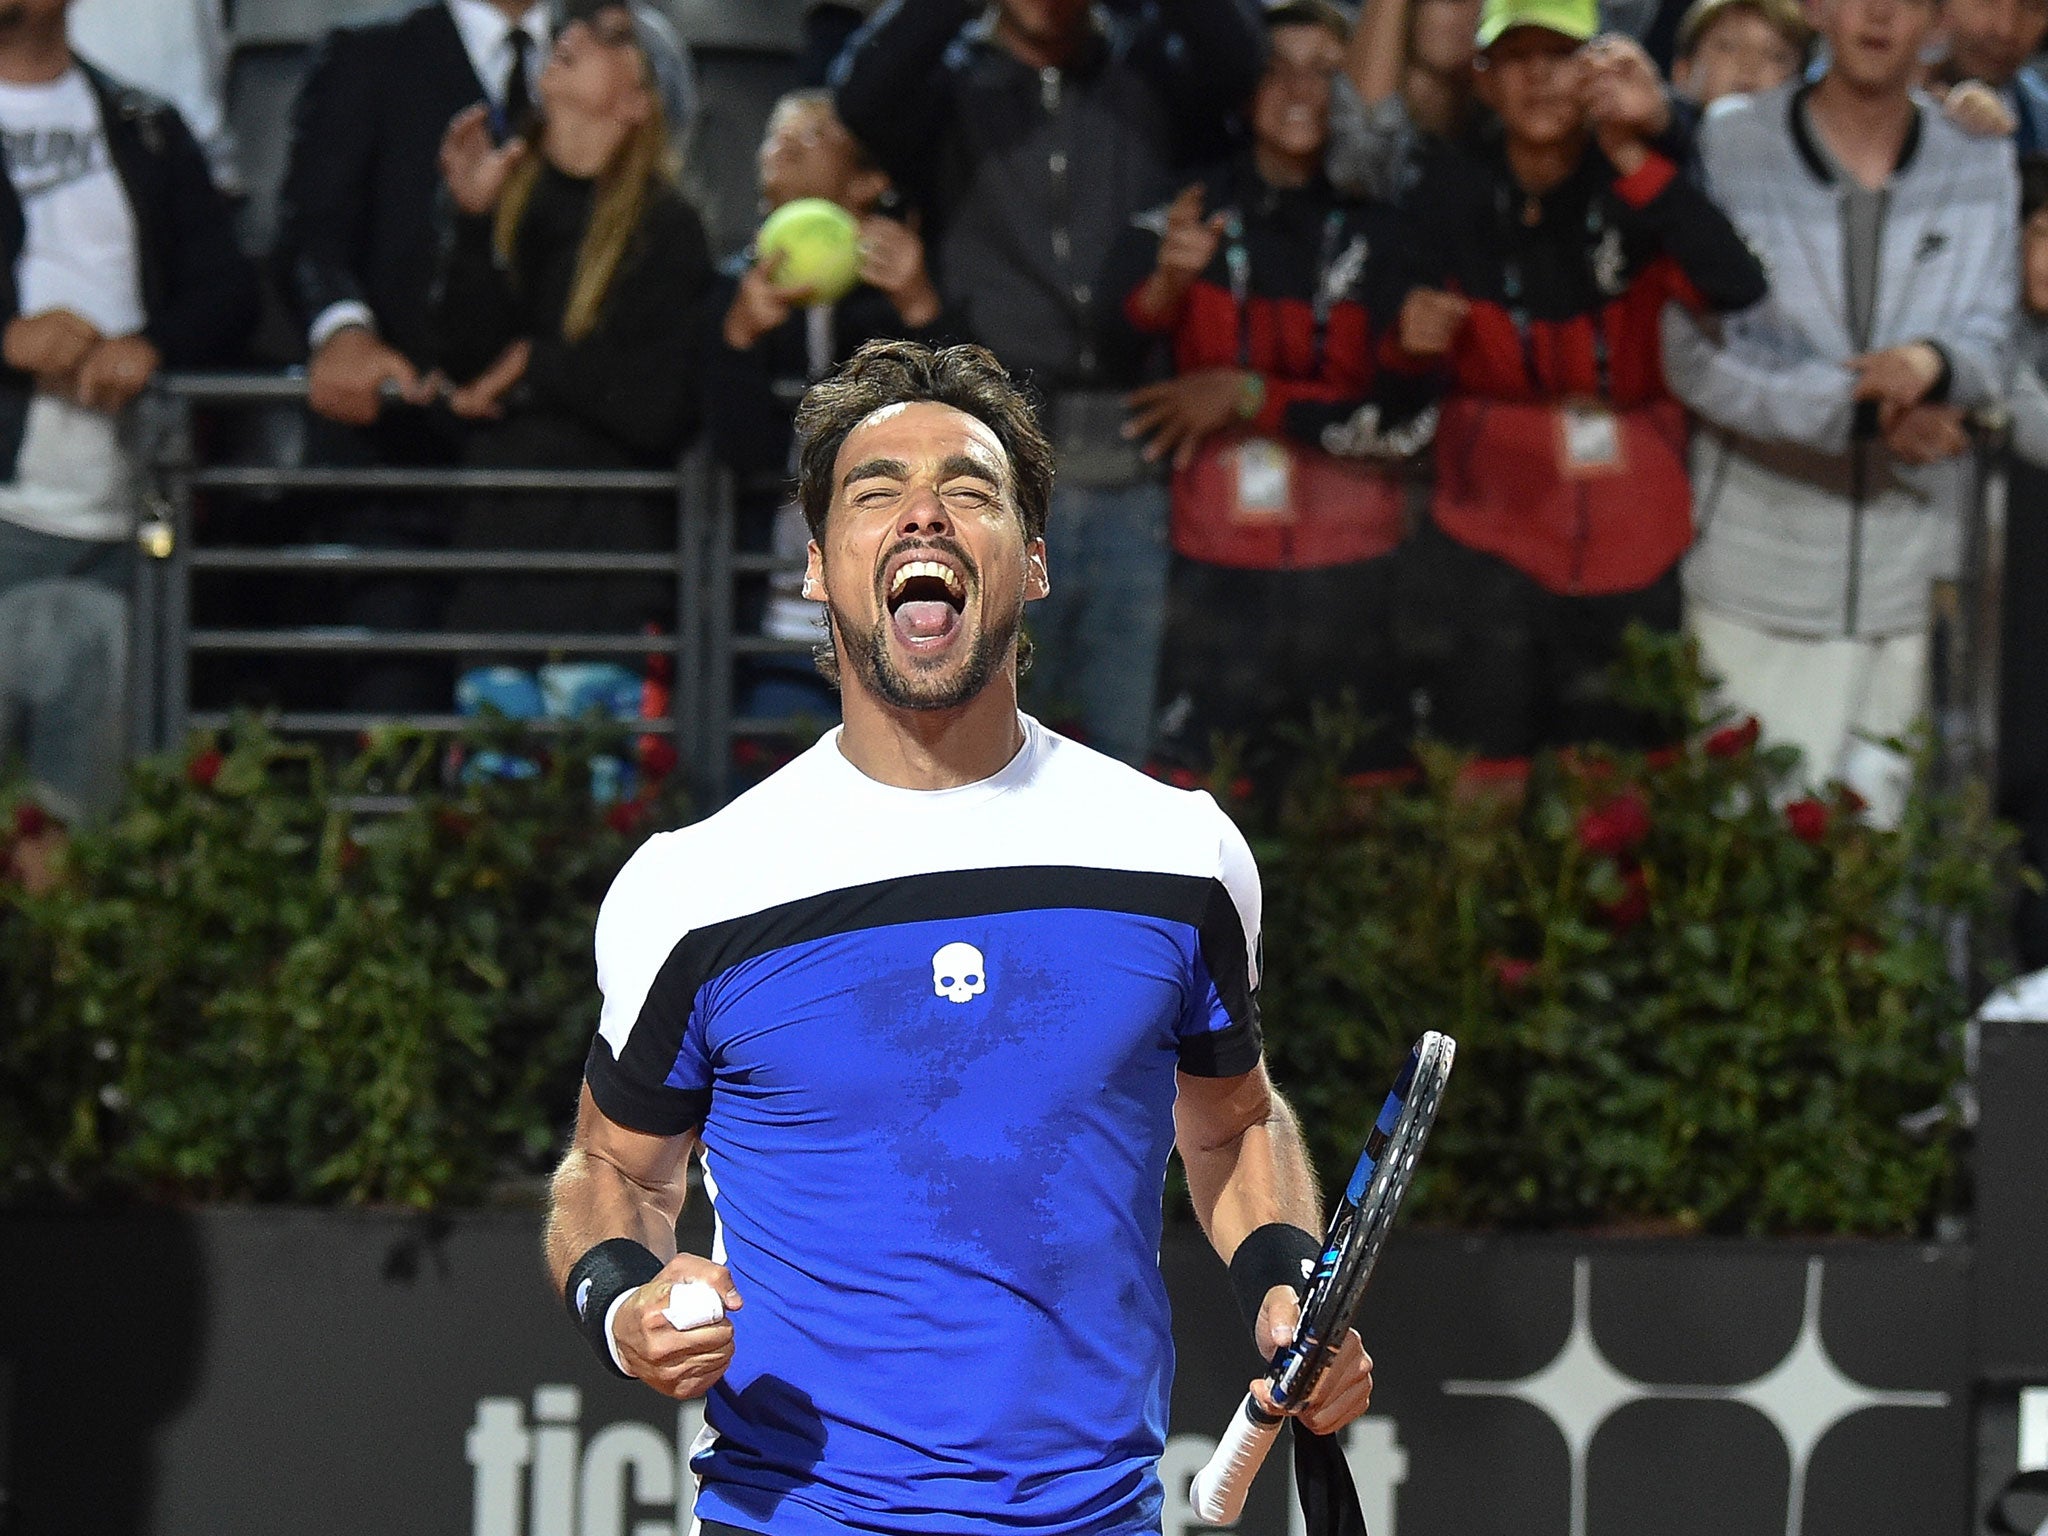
(702,565)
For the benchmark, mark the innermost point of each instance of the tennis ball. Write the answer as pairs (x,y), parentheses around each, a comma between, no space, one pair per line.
(819,242)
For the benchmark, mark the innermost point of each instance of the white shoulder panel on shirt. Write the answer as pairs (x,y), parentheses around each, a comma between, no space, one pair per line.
(819,825)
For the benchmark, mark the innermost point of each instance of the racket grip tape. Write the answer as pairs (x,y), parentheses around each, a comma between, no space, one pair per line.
(1219,1490)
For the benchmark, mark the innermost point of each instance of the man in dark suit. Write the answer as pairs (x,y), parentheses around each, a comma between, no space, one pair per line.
(358,236)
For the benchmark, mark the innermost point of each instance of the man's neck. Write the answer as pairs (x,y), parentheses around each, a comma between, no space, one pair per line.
(1538,168)
(1865,129)
(513,11)
(933,748)
(1039,52)
(34,55)
(1278,169)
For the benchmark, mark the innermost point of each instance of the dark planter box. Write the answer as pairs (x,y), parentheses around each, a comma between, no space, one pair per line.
(238,1371)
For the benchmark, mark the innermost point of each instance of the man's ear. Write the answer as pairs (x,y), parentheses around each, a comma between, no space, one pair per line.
(1037,582)
(814,573)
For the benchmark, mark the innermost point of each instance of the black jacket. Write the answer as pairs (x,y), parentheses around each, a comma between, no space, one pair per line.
(625,394)
(1027,179)
(357,212)
(199,293)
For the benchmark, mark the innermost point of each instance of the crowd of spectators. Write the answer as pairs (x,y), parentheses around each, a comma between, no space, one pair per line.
(1402,357)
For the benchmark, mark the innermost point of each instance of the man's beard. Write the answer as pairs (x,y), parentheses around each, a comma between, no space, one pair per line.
(867,654)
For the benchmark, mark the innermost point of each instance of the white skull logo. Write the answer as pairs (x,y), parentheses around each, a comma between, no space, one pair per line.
(958,973)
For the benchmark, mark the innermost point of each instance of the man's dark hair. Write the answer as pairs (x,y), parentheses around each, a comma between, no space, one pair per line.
(1309,13)
(885,373)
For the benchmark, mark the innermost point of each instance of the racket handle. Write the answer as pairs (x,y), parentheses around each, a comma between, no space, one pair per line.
(1219,1488)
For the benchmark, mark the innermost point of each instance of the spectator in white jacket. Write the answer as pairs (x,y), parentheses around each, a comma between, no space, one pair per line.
(1832,467)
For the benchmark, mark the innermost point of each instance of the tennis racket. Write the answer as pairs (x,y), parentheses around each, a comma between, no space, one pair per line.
(1350,1248)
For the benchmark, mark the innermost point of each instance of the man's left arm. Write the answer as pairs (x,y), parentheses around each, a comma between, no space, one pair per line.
(1206,56)
(1977,346)
(1255,1196)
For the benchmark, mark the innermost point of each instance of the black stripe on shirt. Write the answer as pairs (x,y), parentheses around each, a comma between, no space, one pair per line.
(633,1091)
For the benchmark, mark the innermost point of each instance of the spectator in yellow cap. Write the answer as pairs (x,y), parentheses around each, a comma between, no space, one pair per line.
(1540,262)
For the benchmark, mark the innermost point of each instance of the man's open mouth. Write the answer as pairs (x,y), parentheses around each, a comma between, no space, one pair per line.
(926,597)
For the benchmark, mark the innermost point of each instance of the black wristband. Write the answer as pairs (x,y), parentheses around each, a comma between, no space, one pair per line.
(1275,1254)
(604,1274)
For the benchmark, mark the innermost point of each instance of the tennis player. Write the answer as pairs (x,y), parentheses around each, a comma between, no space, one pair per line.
(935,1001)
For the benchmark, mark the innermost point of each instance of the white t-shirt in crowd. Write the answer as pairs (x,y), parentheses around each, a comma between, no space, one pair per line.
(72,477)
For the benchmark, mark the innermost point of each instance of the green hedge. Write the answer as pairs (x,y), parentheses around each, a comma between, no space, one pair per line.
(1678,1000)
(1686,998)
(245,990)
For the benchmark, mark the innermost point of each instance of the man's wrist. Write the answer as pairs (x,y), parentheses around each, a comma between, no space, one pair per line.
(1278,1253)
(336,318)
(1251,395)
(598,1282)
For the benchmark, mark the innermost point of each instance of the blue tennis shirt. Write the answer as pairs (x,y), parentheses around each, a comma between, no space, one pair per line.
(929,1040)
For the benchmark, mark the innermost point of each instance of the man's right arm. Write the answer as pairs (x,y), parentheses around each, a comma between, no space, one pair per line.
(1806,401)
(889,85)
(324,202)
(619,1185)
(323,217)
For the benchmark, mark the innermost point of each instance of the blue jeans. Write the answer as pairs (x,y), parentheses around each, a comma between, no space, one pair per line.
(1095,640)
(64,665)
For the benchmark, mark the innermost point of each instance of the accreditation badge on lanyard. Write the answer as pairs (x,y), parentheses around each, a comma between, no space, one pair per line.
(1265,482)
(1589,439)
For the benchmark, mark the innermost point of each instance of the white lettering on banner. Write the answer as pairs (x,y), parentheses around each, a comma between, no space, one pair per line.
(2034,1429)
(626,1473)
(1372,1449)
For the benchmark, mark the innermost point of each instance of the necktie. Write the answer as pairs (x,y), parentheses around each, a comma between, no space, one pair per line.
(515,100)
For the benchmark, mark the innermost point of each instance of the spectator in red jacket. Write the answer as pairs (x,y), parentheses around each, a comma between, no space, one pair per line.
(1540,262)
(1279,595)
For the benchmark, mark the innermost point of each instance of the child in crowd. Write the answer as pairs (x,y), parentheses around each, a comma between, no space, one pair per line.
(1539,266)
(773,339)
(1731,47)
(1280,593)
(568,310)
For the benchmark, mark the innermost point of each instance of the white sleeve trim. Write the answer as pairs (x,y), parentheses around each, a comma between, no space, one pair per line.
(611,1340)
(339,317)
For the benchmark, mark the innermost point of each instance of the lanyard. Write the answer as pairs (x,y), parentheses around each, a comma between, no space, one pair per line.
(1515,290)
(1237,261)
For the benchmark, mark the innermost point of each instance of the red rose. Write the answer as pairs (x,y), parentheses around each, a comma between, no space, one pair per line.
(624,816)
(204,768)
(1632,906)
(30,820)
(1512,972)
(658,756)
(351,853)
(1808,819)
(1616,827)
(457,824)
(1734,740)
(1241,787)
(1657,759)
